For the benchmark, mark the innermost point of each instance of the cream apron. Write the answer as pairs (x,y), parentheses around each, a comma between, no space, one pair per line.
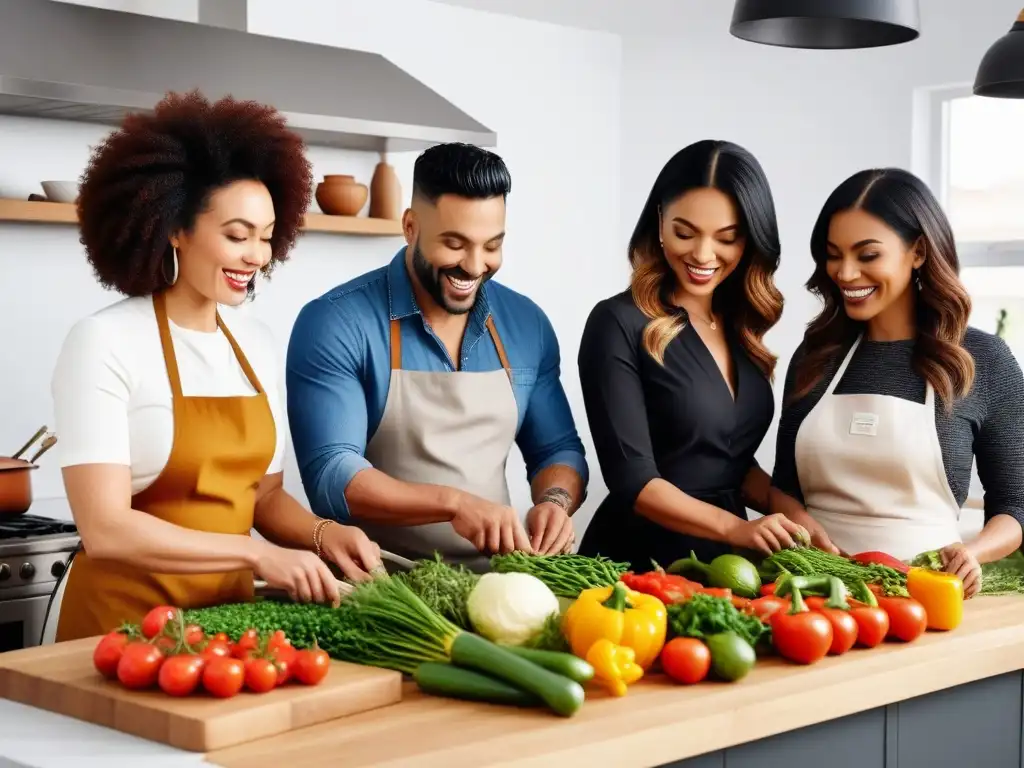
(871,472)
(453,429)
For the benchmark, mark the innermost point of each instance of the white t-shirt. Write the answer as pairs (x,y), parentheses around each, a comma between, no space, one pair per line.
(112,396)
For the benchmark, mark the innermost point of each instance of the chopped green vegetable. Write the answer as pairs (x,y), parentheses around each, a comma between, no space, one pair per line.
(705,615)
(565,575)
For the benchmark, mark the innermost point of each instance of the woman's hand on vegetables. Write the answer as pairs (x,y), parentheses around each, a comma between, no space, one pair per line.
(959,560)
(304,576)
(767,534)
(550,529)
(352,551)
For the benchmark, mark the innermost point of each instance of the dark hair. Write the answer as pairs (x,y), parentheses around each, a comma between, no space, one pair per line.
(462,170)
(943,306)
(155,174)
(748,297)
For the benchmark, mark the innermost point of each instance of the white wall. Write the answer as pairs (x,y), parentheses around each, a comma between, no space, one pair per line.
(551,94)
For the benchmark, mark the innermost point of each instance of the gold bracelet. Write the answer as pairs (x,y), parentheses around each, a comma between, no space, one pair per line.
(318,535)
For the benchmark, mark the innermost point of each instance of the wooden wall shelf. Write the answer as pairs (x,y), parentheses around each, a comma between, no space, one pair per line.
(32,212)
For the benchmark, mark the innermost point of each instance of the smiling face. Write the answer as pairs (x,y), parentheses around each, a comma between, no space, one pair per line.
(455,247)
(228,244)
(702,239)
(870,264)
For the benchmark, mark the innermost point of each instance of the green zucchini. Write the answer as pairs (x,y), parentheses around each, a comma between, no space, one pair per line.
(565,664)
(440,678)
(562,695)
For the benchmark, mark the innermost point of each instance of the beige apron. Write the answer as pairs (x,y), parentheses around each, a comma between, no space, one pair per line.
(871,472)
(453,429)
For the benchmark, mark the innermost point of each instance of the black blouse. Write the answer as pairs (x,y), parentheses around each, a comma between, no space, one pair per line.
(678,422)
(987,424)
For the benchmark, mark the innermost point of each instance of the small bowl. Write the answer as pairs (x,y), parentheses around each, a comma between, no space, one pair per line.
(60,191)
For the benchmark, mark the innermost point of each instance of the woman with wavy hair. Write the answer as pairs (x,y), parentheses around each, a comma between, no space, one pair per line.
(675,374)
(891,396)
(169,412)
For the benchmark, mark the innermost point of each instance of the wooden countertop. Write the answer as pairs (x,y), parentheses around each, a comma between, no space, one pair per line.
(657,721)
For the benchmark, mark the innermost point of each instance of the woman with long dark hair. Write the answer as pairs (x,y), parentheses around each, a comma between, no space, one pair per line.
(891,396)
(676,377)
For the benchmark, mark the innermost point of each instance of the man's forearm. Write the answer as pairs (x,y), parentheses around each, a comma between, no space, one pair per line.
(559,484)
(379,498)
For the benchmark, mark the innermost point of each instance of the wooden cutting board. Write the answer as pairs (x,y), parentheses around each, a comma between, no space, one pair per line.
(61,678)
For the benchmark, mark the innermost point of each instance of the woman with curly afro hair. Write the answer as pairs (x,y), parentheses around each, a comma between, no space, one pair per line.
(171,422)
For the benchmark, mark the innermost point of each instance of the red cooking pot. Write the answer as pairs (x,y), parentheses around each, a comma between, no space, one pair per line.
(15,486)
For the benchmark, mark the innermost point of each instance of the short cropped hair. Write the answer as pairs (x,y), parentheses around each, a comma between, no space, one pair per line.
(156,173)
(462,170)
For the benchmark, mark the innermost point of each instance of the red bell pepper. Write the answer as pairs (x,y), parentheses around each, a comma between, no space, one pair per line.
(664,586)
(880,558)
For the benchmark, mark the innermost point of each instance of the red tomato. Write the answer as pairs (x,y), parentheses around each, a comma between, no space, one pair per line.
(155,621)
(717,592)
(814,602)
(872,624)
(260,675)
(844,629)
(764,607)
(223,677)
(768,589)
(140,665)
(803,637)
(686,660)
(222,637)
(108,653)
(311,666)
(284,659)
(165,643)
(907,617)
(194,634)
(180,675)
(247,643)
(216,648)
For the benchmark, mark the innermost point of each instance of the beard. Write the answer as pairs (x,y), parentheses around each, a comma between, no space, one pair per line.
(431,278)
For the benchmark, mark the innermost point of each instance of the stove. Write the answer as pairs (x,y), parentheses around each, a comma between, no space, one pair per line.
(34,553)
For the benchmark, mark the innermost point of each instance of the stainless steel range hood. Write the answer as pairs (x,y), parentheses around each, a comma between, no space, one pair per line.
(72,62)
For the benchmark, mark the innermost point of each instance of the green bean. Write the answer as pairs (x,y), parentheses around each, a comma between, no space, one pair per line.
(565,575)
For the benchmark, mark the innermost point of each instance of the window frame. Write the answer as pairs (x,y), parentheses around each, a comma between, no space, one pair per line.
(932,151)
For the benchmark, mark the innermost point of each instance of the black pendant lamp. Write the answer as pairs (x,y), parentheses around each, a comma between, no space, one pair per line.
(826,23)
(1001,72)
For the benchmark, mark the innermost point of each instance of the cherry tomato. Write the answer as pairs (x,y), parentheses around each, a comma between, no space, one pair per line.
(814,602)
(223,676)
(844,629)
(108,653)
(155,621)
(260,675)
(140,665)
(311,665)
(247,643)
(194,634)
(872,624)
(222,637)
(284,659)
(907,617)
(686,660)
(165,643)
(764,607)
(180,675)
(768,589)
(216,648)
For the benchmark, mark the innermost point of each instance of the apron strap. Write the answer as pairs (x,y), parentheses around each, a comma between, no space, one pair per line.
(396,345)
(842,368)
(499,346)
(243,361)
(160,307)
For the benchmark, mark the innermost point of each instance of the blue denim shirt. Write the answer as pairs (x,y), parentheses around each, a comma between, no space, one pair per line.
(339,368)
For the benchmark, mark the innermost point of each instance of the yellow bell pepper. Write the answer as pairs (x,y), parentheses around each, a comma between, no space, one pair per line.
(627,618)
(614,666)
(941,594)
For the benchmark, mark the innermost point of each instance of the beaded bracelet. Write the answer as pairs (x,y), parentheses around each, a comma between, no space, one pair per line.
(318,535)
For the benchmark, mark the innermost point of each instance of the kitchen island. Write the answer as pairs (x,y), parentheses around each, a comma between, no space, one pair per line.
(945,699)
